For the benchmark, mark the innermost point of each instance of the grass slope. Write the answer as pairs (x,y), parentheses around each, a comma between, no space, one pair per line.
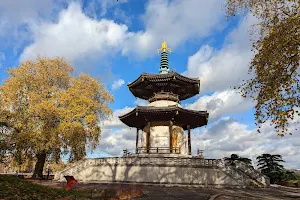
(12,187)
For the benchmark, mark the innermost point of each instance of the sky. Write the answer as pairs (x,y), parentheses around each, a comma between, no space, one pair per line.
(118,40)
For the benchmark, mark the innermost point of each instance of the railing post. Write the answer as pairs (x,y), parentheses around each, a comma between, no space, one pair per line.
(157,150)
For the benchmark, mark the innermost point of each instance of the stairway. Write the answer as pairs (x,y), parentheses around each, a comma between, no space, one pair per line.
(245,174)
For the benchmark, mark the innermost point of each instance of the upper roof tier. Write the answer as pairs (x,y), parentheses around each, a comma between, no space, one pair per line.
(147,85)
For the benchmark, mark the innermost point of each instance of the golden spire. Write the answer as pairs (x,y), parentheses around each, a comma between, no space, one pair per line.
(164,47)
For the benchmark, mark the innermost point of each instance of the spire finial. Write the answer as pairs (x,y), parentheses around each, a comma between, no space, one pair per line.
(164,63)
(164,47)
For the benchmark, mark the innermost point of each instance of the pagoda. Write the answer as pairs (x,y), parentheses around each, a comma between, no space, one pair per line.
(163,121)
(163,156)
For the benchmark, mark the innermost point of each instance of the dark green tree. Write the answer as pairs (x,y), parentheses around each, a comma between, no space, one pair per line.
(235,157)
(269,165)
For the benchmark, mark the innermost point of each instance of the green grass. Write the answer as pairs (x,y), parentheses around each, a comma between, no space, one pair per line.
(12,187)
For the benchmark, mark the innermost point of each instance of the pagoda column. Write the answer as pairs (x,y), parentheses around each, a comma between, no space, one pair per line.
(189,140)
(137,140)
(148,138)
(170,133)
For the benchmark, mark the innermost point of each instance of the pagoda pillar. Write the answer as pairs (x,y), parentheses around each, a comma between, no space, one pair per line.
(170,133)
(137,141)
(148,138)
(189,140)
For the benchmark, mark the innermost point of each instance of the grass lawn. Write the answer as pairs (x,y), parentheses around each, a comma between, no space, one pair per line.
(12,187)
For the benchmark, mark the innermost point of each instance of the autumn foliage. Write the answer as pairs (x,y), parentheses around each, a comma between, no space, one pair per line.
(52,112)
(275,84)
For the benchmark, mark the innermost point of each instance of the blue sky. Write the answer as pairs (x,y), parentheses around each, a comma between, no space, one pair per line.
(118,41)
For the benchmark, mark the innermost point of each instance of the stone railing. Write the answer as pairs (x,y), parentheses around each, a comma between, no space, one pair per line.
(238,176)
(253,173)
(72,166)
(156,161)
(158,150)
(150,161)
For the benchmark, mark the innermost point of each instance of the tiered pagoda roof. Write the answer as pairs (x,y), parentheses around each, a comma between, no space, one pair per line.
(147,85)
(141,115)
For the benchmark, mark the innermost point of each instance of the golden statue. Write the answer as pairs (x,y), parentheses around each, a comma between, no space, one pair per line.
(174,138)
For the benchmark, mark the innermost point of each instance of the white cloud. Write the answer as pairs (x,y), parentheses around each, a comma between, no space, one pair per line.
(117,84)
(222,103)
(115,122)
(113,143)
(18,12)
(141,102)
(218,70)
(122,15)
(75,36)
(100,8)
(227,136)
(177,21)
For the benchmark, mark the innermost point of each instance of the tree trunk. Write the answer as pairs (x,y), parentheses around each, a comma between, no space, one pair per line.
(39,166)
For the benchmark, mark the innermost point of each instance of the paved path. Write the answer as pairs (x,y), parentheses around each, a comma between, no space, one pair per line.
(258,194)
(178,193)
(156,192)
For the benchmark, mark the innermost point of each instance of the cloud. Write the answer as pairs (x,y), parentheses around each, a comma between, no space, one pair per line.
(18,12)
(75,36)
(122,16)
(112,143)
(115,122)
(141,102)
(227,136)
(117,84)
(16,17)
(220,69)
(177,21)
(99,8)
(2,58)
(222,103)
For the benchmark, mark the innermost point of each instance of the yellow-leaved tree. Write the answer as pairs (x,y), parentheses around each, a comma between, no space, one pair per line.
(52,112)
(275,84)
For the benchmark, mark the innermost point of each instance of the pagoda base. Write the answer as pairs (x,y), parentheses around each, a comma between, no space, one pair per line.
(163,170)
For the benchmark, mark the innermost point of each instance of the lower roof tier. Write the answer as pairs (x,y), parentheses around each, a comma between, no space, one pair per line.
(141,115)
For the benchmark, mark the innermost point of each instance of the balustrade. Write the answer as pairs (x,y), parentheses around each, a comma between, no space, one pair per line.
(158,150)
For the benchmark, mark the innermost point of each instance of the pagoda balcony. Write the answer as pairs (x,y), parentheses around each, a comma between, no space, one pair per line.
(164,96)
(158,150)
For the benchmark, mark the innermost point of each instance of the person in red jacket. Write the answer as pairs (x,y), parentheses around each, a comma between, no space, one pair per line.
(70,181)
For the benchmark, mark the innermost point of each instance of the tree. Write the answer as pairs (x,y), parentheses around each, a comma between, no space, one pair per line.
(235,157)
(288,175)
(3,144)
(5,147)
(51,111)
(275,66)
(269,165)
